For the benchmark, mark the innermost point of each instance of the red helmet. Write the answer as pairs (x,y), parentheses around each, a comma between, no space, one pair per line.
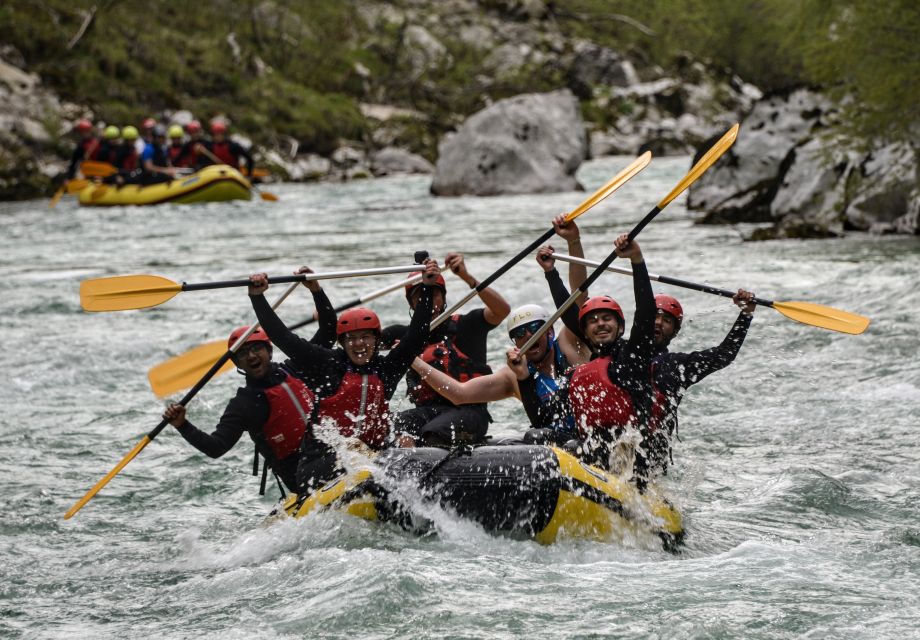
(218,127)
(193,127)
(670,305)
(258,335)
(149,123)
(82,125)
(410,288)
(596,303)
(355,319)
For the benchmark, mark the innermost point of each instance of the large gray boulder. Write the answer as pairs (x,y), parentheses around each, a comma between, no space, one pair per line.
(741,186)
(532,143)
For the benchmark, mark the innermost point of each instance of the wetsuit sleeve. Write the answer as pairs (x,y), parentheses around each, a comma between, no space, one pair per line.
(325,336)
(244,412)
(631,369)
(391,334)
(693,367)
(310,359)
(560,295)
(75,159)
(397,362)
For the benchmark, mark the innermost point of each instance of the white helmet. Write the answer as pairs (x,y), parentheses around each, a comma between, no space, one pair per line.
(526,314)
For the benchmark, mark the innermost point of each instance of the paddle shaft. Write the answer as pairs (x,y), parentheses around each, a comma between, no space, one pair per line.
(584,286)
(147,439)
(492,278)
(612,185)
(706,161)
(677,282)
(303,277)
(365,298)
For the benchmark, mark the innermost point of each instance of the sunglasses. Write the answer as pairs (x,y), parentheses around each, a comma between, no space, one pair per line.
(531,327)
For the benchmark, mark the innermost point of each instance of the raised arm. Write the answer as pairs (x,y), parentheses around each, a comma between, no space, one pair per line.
(497,308)
(325,312)
(557,289)
(310,358)
(578,273)
(400,357)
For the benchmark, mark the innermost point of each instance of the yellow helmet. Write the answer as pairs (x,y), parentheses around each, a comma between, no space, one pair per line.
(111,132)
(175,131)
(130,133)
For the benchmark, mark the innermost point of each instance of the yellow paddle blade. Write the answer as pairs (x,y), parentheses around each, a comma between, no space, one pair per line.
(111,474)
(75,186)
(715,152)
(271,197)
(95,169)
(126,292)
(817,315)
(184,370)
(615,183)
(98,192)
(57,195)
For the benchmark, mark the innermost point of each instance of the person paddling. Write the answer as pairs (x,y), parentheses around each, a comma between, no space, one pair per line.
(458,348)
(673,373)
(544,372)
(226,150)
(353,384)
(270,407)
(85,149)
(612,393)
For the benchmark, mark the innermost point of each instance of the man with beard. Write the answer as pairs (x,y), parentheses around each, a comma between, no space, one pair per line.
(611,396)
(458,348)
(673,373)
(271,405)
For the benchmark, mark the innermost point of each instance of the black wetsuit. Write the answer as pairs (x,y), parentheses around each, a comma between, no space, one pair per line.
(248,410)
(674,373)
(438,421)
(322,369)
(629,365)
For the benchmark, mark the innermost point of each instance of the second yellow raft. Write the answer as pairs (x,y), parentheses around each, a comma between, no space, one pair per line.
(217,183)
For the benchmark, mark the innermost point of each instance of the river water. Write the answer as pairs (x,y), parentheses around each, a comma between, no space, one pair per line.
(797,473)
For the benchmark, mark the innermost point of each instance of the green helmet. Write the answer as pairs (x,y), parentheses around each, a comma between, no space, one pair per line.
(111,132)
(175,131)
(130,133)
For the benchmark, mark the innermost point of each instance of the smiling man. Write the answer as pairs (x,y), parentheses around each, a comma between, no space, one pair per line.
(353,384)
(270,407)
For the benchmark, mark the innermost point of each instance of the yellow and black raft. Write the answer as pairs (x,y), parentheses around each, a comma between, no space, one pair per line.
(217,183)
(529,491)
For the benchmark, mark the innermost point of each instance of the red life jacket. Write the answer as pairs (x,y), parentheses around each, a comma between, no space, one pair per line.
(174,151)
(89,147)
(222,151)
(129,161)
(359,408)
(444,356)
(291,405)
(598,403)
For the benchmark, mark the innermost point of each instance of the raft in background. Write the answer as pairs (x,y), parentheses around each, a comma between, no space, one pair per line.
(217,183)
(533,491)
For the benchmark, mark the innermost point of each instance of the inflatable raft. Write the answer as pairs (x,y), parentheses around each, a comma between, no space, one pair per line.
(530,491)
(216,183)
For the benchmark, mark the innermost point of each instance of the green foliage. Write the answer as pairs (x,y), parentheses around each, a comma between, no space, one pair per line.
(871,61)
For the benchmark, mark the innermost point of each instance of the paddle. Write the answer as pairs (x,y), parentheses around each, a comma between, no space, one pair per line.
(265,195)
(714,153)
(57,194)
(615,183)
(147,439)
(181,371)
(816,315)
(96,169)
(120,293)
